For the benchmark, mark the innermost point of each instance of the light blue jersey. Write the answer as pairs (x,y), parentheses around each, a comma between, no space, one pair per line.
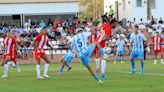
(79,43)
(81,48)
(120,45)
(137,41)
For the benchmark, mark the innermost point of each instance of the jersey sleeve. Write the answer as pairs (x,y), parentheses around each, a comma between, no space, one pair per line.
(161,40)
(131,38)
(38,37)
(116,43)
(144,38)
(87,34)
(152,39)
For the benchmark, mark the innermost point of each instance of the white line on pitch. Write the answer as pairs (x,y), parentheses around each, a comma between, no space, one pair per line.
(155,74)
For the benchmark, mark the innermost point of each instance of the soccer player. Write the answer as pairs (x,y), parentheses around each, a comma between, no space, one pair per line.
(83,51)
(40,41)
(105,33)
(14,56)
(120,50)
(137,49)
(97,54)
(66,60)
(8,42)
(157,40)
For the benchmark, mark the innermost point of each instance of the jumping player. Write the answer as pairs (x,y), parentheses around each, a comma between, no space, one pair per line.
(67,58)
(83,51)
(40,41)
(97,55)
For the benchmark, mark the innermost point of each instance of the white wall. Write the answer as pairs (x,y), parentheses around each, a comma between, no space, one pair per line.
(39,8)
(159,9)
(125,11)
(140,12)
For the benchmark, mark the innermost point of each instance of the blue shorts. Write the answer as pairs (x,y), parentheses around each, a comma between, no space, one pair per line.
(137,54)
(68,58)
(120,52)
(85,57)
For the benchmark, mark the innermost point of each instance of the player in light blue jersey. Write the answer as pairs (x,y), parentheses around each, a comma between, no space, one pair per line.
(120,50)
(83,50)
(137,49)
(67,58)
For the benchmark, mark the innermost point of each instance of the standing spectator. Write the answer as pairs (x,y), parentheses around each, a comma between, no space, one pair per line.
(42,24)
(111,11)
(160,21)
(49,22)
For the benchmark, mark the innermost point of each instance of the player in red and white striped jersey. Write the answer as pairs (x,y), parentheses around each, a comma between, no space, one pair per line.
(40,41)
(9,43)
(157,40)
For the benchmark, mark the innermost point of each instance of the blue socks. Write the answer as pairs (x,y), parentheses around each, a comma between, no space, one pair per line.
(142,65)
(116,58)
(67,65)
(102,52)
(133,64)
(122,59)
(61,70)
(96,77)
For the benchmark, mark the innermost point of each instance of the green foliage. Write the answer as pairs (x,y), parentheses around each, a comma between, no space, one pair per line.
(89,12)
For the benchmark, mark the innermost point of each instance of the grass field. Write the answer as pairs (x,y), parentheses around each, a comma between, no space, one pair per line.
(79,80)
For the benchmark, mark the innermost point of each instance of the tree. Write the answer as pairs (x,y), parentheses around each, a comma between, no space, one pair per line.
(93,8)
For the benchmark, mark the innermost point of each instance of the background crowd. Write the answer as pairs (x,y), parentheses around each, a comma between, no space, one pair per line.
(58,28)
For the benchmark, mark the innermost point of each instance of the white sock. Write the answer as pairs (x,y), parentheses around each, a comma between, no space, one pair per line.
(38,70)
(155,61)
(161,60)
(46,66)
(6,68)
(13,64)
(17,66)
(97,63)
(9,63)
(103,66)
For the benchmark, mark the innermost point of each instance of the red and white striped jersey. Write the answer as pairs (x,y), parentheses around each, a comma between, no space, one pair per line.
(9,45)
(93,37)
(157,40)
(41,41)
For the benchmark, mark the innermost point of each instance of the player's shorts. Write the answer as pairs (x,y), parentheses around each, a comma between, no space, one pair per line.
(96,51)
(158,51)
(85,57)
(68,58)
(5,55)
(37,54)
(102,44)
(120,52)
(137,54)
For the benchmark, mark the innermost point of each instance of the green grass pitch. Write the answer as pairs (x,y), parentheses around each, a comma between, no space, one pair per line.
(79,79)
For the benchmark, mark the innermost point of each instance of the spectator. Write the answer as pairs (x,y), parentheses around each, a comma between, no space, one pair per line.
(111,11)
(160,20)
(42,24)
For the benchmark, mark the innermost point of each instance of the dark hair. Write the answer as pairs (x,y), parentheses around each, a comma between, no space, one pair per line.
(105,19)
(44,28)
(136,26)
(113,21)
